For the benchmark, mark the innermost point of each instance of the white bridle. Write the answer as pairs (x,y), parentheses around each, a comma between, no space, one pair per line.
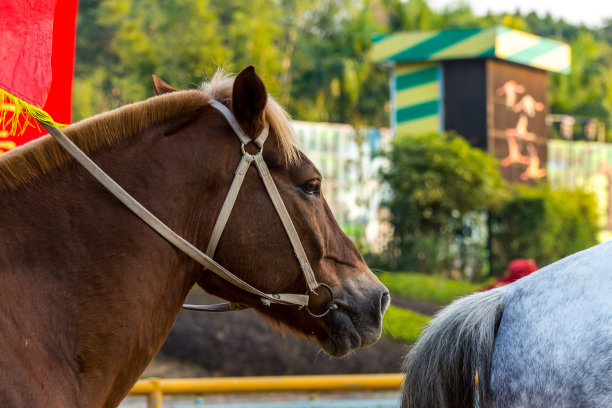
(205,259)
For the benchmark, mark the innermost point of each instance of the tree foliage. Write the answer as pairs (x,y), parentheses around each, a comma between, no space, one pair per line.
(314,57)
(586,91)
(312,54)
(437,182)
(542,224)
(440,186)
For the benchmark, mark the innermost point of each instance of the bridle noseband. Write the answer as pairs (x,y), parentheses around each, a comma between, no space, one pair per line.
(205,259)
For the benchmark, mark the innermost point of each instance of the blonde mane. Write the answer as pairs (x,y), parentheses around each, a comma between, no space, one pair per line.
(43,155)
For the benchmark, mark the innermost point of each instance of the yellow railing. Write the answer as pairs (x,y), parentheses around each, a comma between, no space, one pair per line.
(156,388)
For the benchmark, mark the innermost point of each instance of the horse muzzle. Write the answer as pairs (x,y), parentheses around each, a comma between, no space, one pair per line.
(357,321)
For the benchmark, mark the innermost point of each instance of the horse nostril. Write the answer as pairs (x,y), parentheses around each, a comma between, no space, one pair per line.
(385,299)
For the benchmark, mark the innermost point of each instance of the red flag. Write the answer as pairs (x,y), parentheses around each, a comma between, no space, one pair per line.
(37,39)
(26,39)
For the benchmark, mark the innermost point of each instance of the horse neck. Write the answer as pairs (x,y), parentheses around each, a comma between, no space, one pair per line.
(117,284)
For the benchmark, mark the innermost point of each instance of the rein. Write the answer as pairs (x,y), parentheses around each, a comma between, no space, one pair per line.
(206,259)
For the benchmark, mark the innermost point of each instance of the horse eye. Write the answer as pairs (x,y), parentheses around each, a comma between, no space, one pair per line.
(312,186)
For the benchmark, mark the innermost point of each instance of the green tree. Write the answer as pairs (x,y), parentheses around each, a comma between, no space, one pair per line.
(542,224)
(460,15)
(586,90)
(606,31)
(437,183)
(312,54)
(253,32)
(333,78)
(419,16)
(174,39)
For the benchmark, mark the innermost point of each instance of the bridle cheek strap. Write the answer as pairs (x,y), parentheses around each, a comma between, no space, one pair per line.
(287,223)
(279,205)
(232,194)
(228,204)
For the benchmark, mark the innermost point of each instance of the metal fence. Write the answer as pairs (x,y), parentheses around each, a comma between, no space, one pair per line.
(585,165)
(349,163)
(155,389)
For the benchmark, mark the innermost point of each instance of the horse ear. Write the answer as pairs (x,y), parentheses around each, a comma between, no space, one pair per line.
(161,87)
(249,96)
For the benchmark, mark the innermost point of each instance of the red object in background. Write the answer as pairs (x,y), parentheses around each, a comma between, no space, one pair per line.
(26,41)
(515,270)
(37,44)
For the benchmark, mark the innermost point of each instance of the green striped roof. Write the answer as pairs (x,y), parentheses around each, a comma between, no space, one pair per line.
(500,42)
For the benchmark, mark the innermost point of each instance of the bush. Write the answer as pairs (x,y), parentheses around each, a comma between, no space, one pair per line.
(404,325)
(543,225)
(439,184)
(441,189)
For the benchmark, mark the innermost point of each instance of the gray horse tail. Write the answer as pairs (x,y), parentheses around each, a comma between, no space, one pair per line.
(458,343)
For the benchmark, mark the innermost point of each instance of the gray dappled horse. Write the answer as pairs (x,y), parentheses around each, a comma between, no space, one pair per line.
(543,341)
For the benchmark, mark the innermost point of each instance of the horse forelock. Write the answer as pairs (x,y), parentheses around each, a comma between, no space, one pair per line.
(41,156)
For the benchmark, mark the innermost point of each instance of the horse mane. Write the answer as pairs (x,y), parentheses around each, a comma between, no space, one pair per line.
(43,155)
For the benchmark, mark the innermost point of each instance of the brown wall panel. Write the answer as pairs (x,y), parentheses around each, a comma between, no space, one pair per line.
(500,107)
(518,107)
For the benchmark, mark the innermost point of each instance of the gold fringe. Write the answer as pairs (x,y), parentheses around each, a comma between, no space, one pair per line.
(23,114)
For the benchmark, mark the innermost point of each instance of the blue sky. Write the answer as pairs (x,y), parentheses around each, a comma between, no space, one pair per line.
(589,12)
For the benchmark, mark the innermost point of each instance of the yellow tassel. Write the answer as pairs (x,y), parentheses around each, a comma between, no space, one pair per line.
(23,114)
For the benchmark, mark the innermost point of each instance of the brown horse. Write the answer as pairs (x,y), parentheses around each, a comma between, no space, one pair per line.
(89,292)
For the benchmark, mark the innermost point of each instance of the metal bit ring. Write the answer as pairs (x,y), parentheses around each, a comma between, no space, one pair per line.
(331,305)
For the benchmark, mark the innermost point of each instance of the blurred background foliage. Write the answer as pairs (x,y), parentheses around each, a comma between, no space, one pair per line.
(313,54)
(453,214)
(438,184)
(542,224)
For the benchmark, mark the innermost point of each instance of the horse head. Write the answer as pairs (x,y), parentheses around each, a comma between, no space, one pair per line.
(254,244)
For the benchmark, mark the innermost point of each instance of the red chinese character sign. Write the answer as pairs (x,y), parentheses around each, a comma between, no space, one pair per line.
(37,39)
(500,107)
(518,133)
